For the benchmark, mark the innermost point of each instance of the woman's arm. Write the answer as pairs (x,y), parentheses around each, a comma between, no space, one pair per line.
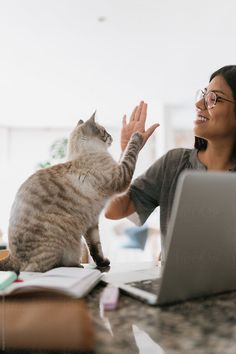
(122,206)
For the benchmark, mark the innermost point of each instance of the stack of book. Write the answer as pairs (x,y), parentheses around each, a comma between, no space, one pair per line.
(41,311)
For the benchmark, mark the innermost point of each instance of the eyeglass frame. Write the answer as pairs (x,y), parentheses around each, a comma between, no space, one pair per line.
(217,97)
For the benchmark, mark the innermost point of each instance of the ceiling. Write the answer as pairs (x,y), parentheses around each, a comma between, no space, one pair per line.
(62,59)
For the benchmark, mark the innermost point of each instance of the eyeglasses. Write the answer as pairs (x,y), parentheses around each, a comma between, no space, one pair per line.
(210,98)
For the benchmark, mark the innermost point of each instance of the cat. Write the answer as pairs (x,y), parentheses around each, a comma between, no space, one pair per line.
(58,205)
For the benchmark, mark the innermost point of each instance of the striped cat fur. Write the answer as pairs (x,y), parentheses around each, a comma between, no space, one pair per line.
(58,205)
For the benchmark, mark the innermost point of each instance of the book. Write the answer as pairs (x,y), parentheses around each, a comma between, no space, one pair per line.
(72,281)
(43,322)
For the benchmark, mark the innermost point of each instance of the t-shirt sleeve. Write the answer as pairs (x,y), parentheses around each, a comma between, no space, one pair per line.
(145,190)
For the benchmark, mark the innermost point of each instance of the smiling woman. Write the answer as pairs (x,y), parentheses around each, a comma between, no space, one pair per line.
(215,135)
(215,126)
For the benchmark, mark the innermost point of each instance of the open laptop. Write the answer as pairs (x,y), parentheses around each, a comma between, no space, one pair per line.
(200,242)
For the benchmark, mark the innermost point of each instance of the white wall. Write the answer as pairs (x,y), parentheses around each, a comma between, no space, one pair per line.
(21,149)
(61,59)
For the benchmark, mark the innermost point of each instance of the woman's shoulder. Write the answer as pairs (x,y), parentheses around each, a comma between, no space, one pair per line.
(174,160)
(179,154)
(178,159)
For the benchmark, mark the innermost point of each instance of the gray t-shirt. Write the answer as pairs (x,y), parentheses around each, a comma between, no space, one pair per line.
(156,187)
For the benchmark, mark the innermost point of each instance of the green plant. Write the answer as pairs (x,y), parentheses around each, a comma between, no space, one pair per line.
(57,151)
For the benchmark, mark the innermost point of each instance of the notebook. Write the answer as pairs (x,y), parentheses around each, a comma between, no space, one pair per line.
(72,281)
(200,242)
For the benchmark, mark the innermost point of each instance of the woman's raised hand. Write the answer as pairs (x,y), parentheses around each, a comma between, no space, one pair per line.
(136,124)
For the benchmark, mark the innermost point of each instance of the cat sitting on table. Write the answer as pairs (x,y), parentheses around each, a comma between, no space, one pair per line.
(58,205)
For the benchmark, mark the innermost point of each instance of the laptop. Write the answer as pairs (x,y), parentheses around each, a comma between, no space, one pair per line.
(200,242)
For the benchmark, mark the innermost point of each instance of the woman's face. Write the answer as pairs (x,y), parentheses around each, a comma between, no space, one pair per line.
(217,123)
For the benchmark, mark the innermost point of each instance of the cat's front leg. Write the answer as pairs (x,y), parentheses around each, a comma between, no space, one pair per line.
(93,241)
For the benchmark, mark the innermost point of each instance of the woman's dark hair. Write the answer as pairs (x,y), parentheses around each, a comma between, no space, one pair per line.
(228,72)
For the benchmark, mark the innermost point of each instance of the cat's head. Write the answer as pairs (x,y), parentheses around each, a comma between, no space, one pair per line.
(89,135)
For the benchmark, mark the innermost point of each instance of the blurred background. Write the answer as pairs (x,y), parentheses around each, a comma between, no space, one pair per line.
(62,59)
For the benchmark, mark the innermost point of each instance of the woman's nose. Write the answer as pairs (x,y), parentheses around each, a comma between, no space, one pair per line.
(200,104)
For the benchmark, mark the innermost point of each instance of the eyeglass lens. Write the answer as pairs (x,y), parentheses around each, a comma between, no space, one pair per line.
(209,98)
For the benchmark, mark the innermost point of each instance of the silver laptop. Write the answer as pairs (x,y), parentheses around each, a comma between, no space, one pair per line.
(200,242)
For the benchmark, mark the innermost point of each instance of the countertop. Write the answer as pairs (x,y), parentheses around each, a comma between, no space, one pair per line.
(205,325)
(201,326)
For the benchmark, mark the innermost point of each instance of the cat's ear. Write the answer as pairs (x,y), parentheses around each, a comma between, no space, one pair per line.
(92,118)
(80,122)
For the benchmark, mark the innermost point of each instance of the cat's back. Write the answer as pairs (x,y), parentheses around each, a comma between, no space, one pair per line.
(47,181)
(41,190)
(63,189)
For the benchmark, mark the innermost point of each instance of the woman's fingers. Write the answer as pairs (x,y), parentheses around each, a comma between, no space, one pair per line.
(136,123)
(139,111)
(138,119)
(133,114)
(143,114)
(124,123)
(151,130)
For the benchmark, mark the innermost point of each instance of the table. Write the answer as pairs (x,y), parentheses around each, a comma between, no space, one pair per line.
(202,326)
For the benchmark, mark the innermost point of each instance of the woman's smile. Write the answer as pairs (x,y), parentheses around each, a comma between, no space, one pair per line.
(200,119)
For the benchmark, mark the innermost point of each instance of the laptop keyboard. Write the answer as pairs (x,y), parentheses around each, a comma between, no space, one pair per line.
(151,286)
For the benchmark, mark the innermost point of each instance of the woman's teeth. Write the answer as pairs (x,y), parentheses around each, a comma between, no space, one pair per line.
(202,119)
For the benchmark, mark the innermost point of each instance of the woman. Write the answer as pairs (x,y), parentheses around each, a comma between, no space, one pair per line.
(215,149)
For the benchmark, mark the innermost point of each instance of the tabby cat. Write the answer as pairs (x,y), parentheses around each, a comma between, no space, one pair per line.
(58,205)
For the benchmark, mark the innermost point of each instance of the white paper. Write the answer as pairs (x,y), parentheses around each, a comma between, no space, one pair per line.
(132,276)
(145,343)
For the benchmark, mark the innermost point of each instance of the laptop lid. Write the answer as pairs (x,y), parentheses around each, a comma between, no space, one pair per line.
(201,237)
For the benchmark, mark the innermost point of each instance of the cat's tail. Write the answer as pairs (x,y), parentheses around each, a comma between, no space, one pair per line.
(8,263)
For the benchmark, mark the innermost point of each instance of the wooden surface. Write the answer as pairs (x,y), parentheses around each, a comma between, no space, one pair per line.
(45,322)
(3,254)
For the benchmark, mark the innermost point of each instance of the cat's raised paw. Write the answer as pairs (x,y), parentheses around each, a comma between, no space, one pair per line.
(137,137)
